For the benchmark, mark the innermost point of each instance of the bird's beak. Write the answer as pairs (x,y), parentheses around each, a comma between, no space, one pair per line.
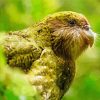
(90,35)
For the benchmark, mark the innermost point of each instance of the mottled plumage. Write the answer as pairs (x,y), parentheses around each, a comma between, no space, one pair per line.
(47,51)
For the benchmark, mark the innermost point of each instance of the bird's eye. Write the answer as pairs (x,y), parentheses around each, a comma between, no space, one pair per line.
(72,22)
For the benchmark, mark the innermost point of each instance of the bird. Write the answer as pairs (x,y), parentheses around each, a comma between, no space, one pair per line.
(46,52)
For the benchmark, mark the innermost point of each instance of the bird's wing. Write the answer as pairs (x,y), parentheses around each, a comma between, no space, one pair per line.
(51,75)
(44,74)
(21,49)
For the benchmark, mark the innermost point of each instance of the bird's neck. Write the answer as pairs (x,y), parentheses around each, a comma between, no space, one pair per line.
(60,47)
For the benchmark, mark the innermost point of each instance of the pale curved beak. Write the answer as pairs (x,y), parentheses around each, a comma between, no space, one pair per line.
(91,36)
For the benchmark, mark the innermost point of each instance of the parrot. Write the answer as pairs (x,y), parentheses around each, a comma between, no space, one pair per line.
(46,52)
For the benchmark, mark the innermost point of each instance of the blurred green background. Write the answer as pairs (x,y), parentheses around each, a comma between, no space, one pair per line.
(19,14)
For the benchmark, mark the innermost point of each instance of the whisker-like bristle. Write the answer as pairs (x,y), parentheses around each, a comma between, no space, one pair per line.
(96,40)
(97,35)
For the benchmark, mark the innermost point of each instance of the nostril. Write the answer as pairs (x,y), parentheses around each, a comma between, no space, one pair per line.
(86,27)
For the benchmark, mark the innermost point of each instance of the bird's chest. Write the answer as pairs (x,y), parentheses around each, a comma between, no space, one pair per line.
(52,77)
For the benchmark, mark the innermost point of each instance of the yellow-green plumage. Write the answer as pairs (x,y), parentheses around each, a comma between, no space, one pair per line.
(47,51)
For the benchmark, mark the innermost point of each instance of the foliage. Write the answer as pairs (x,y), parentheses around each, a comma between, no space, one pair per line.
(18,14)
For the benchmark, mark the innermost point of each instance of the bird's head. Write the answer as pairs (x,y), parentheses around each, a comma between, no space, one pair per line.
(71,33)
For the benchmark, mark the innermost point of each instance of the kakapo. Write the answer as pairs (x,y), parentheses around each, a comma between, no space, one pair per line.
(46,52)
